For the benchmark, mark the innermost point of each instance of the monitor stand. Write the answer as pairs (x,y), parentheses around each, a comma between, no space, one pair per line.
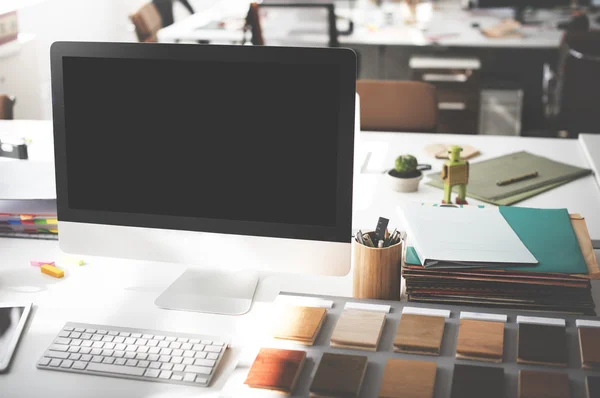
(209,291)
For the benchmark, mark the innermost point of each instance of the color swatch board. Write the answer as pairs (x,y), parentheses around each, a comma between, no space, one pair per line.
(445,362)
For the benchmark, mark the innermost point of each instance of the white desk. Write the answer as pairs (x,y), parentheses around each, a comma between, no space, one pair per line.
(119,292)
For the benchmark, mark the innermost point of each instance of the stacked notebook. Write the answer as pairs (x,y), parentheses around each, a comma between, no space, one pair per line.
(28,218)
(458,256)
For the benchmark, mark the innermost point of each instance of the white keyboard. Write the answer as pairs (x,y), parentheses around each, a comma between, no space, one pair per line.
(135,354)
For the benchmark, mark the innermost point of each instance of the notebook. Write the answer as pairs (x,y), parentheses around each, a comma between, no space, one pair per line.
(464,237)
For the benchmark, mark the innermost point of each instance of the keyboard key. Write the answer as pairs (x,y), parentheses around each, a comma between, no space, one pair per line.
(141,342)
(87,343)
(194,341)
(66,364)
(143,349)
(75,357)
(131,362)
(74,335)
(124,370)
(176,360)
(186,346)
(188,354)
(44,361)
(166,351)
(108,339)
(131,348)
(55,363)
(129,355)
(154,350)
(177,377)
(153,357)
(147,336)
(113,333)
(85,350)
(74,349)
(152,373)
(124,334)
(166,366)
(200,355)
(130,340)
(109,346)
(201,380)
(182,340)
(68,329)
(80,330)
(79,365)
(163,344)
(212,355)
(136,335)
(218,343)
(120,347)
(155,365)
(198,347)
(96,351)
(97,358)
(64,334)
(143,364)
(159,337)
(120,361)
(119,340)
(86,358)
(102,331)
(152,343)
(212,348)
(178,368)
(141,355)
(59,347)
(177,353)
(108,360)
(108,353)
(76,342)
(170,338)
(205,342)
(57,354)
(205,362)
(191,377)
(198,369)
(96,337)
(165,374)
(98,344)
(92,331)
(119,354)
(188,361)
(164,358)
(85,336)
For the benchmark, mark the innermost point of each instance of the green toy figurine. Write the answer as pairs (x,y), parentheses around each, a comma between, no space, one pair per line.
(455,172)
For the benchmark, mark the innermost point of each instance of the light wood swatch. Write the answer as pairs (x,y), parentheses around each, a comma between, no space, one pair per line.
(480,340)
(537,384)
(276,369)
(419,334)
(357,329)
(299,324)
(408,379)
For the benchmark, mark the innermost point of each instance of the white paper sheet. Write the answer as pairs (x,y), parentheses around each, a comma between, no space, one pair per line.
(26,179)
(463,236)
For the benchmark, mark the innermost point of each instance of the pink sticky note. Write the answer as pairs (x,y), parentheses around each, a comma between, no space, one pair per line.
(40,263)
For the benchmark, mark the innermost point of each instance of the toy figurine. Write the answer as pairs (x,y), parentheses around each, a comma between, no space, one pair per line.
(455,172)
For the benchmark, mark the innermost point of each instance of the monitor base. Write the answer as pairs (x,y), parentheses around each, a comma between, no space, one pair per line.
(214,292)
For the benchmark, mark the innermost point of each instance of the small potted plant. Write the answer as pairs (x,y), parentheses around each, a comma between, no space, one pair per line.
(405,176)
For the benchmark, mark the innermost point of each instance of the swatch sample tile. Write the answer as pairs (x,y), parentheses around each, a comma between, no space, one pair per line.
(469,381)
(276,369)
(299,324)
(408,379)
(536,384)
(542,344)
(589,346)
(480,340)
(339,375)
(419,334)
(358,329)
(592,386)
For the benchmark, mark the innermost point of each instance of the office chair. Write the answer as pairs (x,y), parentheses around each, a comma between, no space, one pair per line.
(147,22)
(407,106)
(255,25)
(572,91)
(7,104)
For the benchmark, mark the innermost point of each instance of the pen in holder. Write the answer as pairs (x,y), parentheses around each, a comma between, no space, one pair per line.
(376,270)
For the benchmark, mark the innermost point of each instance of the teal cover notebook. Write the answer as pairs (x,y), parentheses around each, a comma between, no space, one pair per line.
(547,233)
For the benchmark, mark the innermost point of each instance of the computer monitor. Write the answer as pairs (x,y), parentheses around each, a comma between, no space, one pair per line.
(227,157)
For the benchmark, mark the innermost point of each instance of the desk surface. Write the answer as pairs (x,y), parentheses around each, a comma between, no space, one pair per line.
(449,26)
(122,292)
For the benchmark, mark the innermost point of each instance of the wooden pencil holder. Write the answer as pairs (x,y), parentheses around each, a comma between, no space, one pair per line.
(377,271)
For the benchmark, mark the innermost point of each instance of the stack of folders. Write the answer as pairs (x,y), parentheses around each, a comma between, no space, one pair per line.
(28,219)
(508,257)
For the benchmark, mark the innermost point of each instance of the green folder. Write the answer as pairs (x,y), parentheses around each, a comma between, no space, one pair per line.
(547,233)
(484,175)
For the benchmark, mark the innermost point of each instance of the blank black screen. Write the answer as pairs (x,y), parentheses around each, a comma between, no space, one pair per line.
(237,141)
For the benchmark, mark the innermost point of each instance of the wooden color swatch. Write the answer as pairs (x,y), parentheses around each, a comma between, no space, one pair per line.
(536,384)
(589,347)
(339,375)
(299,324)
(592,386)
(357,329)
(480,340)
(542,344)
(276,369)
(419,334)
(469,381)
(408,379)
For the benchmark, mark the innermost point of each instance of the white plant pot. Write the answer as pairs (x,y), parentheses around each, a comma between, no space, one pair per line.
(404,184)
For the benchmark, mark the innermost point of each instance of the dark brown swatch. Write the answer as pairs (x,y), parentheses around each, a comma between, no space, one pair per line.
(592,386)
(408,379)
(469,381)
(276,369)
(589,346)
(480,340)
(339,375)
(419,334)
(536,384)
(542,344)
